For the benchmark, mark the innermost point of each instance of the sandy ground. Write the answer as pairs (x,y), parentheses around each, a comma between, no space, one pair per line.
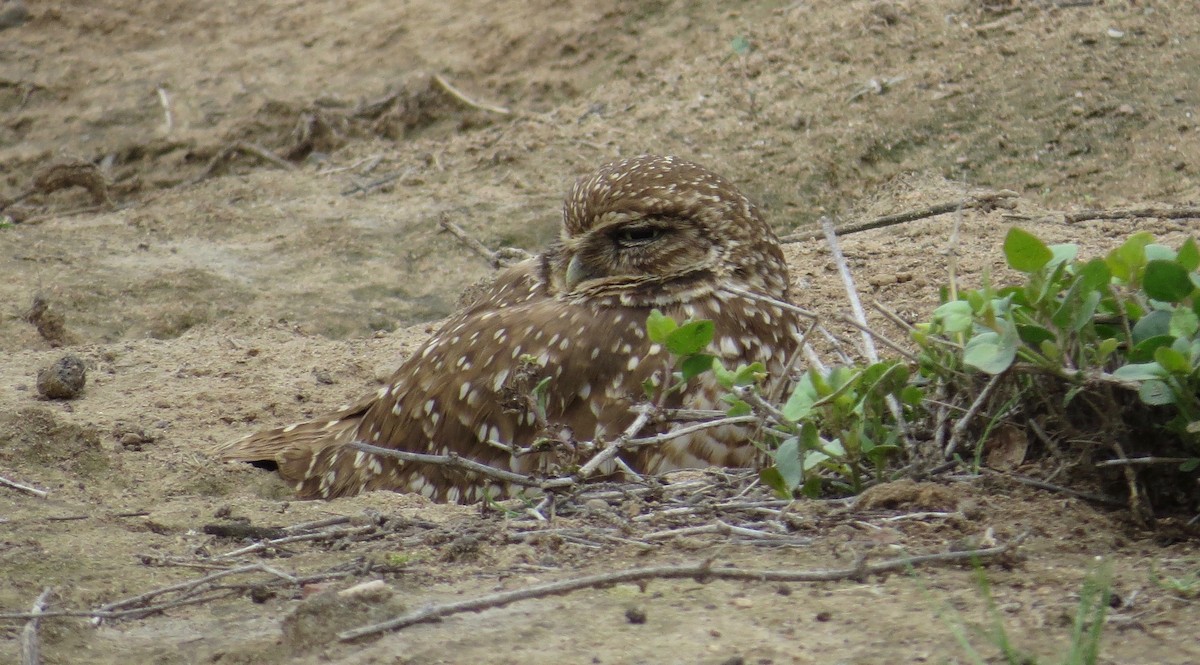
(211,291)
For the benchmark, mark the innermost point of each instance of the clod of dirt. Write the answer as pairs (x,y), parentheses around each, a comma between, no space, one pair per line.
(36,438)
(62,380)
(13,14)
(908,494)
(50,324)
(635,615)
(74,174)
(317,620)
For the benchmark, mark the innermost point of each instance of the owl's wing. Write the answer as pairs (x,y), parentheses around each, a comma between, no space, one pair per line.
(470,391)
(472,383)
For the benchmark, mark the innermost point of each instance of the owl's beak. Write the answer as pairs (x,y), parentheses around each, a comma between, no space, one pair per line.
(576,273)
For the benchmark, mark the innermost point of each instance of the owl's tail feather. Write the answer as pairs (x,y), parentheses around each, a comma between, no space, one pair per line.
(302,453)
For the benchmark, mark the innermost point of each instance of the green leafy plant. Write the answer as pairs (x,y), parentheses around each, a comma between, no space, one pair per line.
(833,430)
(839,429)
(1131,318)
(1106,349)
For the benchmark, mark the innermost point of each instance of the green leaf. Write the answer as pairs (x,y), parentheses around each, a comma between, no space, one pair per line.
(955,316)
(787,461)
(724,376)
(1140,372)
(1062,253)
(740,45)
(1156,251)
(800,403)
(1105,349)
(990,352)
(912,395)
(649,388)
(1087,310)
(659,326)
(771,477)
(1156,393)
(1124,261)
(737,408)
(1185,323)
(691,337)
(748,375)
(1172,361)
(812,487)
(1189,255)
(695,365)
(1094,275)
(1190,465)
(1024,251)
(1166,281)
(1034,335)
(1144,350)
(813,458)
(1154,324)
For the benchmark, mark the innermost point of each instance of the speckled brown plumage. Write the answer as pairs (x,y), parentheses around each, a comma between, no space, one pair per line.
(643,233)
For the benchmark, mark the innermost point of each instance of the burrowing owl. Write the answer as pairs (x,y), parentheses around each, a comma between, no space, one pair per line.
(639,234)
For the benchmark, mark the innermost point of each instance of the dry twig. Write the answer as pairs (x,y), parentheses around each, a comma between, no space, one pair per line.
(860,317)
(462,97)
(982,200)
(1137,213)
(24,488)
(244,147)
(701,572)
(960,427)
(30,648)
(498,259)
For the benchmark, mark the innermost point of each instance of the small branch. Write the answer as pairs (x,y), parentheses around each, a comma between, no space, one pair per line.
(684,431)
(1137,213)
(462,97)
(240,146)
(615,447)
(982,200)
(193,594)
(809,314)
(960,427)
(1142,461)
(471,243)
(30,647)
(41,494)
(1041,484)
(376,184)
(186,586)
(264,154)
(164,99)
(701,572)
(284,540)
(452,461)
(860,317)
(839,259)
(505,256)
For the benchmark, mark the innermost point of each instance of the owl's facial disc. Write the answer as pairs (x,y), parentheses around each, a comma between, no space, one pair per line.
(635,248)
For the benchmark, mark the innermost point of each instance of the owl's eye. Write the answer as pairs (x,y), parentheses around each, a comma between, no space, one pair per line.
(633,236)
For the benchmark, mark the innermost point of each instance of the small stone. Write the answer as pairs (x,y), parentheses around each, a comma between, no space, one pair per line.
(743,602)
(62,380)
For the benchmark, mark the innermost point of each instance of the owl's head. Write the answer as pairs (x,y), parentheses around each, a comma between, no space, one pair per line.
(662,224)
